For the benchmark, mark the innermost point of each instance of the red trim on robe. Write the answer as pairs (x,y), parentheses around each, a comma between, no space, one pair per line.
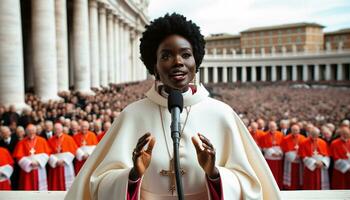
(30,181)
(5,159)
(339,181)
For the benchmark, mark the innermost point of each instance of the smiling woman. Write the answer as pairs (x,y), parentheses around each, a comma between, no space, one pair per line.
(218,157)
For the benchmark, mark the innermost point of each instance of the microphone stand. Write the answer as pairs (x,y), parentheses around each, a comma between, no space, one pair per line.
(175,135)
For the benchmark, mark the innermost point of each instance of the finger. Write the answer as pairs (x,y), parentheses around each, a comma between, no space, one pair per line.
(151,145)
(207,146)
(197,143)
(205,140)
(142,144)
(146,135)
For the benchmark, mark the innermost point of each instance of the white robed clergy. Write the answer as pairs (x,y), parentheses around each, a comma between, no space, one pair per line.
(25,164)
(243,170)
(5,172)
(172,49)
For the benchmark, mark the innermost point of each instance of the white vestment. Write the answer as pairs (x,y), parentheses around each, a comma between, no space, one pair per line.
(243,170)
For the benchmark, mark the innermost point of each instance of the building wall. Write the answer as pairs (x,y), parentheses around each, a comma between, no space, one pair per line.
(336,39)
(305,37)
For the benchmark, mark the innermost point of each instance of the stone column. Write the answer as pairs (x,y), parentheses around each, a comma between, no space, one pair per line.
(44,49)
(284,72)
(11,55)
(81,47)
(94,44)
(317,72)
(110,46)
(205,69)
(127,64)
(244,74)
(253,74)
(116,50)
(121,51)
(134,58)
(339,72)
(263,73)
(224,74)
(234,74)
(215,74)
(305,73)
(328,72)
(62,45)
(294,73)
(273,73)
(197,78)
(103,45)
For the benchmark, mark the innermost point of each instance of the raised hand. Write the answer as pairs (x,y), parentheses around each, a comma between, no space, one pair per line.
(142,158)
(205,155)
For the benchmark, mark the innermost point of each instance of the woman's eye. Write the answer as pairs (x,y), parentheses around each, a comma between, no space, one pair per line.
(165,56)
(186,55)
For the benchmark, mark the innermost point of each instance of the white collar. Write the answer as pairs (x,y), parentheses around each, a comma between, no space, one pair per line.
(8,140)
(189,98)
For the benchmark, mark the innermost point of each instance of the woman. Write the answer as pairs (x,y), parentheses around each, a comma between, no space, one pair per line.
(218,157)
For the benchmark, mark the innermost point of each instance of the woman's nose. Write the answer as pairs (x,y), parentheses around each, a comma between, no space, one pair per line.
(178,60)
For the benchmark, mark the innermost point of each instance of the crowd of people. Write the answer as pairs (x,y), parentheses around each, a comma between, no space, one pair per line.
(44,147)
(303,156)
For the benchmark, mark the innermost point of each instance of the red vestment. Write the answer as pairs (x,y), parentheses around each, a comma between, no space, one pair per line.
(310,151)
(100,136)
(25,152)
(84,140)
(256,136)
(6,169)
(270,144)
(63,147)
(340,151)
(292,164)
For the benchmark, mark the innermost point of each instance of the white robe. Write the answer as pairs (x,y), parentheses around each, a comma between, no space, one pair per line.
(243,170)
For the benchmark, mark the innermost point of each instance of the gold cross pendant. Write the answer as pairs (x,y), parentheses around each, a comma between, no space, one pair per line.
(58,149)
(32,151)
(171,174)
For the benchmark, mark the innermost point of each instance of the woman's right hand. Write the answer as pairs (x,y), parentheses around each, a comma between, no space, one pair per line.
(141,157)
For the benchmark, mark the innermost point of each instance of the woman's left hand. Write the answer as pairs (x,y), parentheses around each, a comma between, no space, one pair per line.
(205,155)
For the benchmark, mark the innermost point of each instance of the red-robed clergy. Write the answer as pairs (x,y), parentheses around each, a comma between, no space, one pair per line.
(270,144)
(32,154)
(315,155)
(256,133)
(86,142)
(106,127)
(292,168)
(340,151)
(6,169)
(61,171)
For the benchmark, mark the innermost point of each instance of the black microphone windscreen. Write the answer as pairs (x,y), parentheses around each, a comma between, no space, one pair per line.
(175,99)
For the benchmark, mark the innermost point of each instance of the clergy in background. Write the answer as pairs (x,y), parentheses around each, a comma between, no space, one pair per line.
(292,166)
(6,169)
(86,142)
(61,170)
(315,155)
(270,143)
(219,159)
(340,151)
(255,132)
(32,154)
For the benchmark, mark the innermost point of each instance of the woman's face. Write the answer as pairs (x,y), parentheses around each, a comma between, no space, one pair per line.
(175,65)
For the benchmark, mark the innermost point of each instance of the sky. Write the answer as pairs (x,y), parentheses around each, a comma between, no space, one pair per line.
(234,16)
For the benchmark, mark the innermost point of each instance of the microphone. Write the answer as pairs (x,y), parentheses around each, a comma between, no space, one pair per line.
(175,106)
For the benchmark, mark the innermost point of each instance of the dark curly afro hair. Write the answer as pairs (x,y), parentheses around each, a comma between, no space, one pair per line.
(165,26)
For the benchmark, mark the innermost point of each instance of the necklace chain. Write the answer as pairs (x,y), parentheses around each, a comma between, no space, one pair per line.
(188,110)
